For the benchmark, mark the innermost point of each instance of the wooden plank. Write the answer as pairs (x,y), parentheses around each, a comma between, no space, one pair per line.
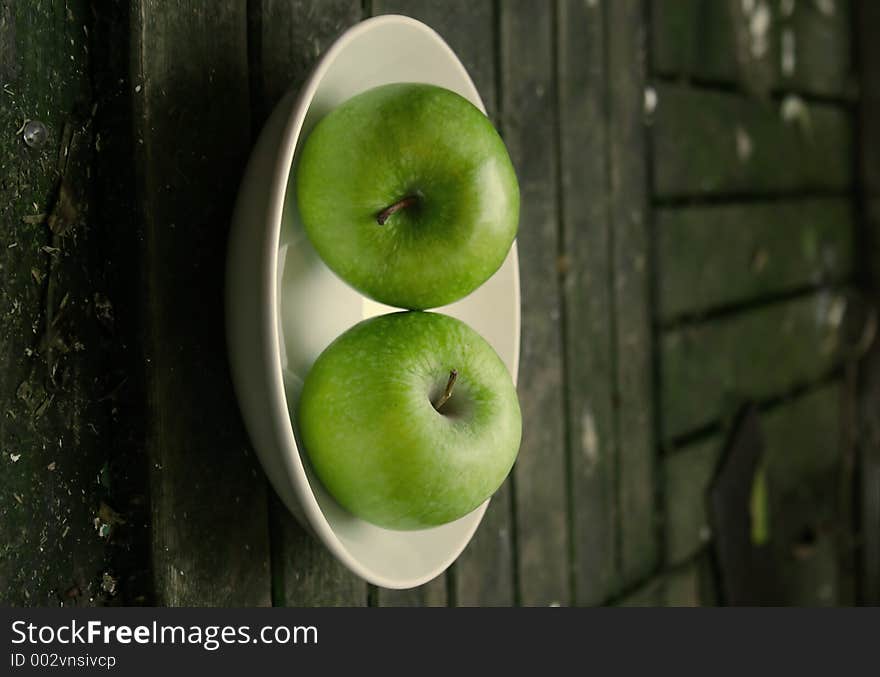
(693,38)
(433,594)
(55,428)
(706,369)
(822,48)
(802,458)
(304,574)
(806,49)
(804,462)
(483,574)
(802,440)
(586,273)
(711,256)
(682,587)
(868,22)
(633,337)
(685,585)
(687,474)
(123,302)
(287,39)
(527,90)
(717,143)
(648,594)
(209,526)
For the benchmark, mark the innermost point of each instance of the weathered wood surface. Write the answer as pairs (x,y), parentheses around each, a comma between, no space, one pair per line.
(799,46)
(803,465)
(709,143)
(634,358)
(802,456)
(686,585)
(868,438)
(706,370)
(286,39)
(59,510)
(687,474)
(191,111)
(528,90)
(586,268)
(721,255)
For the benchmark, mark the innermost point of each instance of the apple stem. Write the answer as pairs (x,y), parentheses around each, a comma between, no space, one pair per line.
(402,203)
(447,393)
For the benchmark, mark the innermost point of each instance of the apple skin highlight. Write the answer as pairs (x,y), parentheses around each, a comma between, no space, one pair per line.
(372,433)
(408,194)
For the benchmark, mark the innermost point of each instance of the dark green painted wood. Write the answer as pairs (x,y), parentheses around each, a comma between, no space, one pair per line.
(304,573)
(706,369)
(802,461)
(868,439)
(209,521)
(717,143)
(55,428)
(682,587)
(803,443)
(527,92)
(484,573)
(823,48)
(287,39)
(802,440)
(693,38)
(719,41)
(687,474)
(585,270)
(686,585)
(647,594)
(630,286)
(711,256)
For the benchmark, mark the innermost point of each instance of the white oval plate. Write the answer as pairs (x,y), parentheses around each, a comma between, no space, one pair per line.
(284,306)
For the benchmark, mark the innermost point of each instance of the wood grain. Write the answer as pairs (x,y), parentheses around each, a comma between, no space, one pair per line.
(528,88)
(802,461)
(209,521)
(686,585)
(711,40)
(720,255)
(585,269)
(687,474)
(707,369)
(709,143)
(630,286)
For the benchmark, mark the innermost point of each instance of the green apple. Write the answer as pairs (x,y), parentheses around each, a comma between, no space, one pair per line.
(410,420)
(408,194)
